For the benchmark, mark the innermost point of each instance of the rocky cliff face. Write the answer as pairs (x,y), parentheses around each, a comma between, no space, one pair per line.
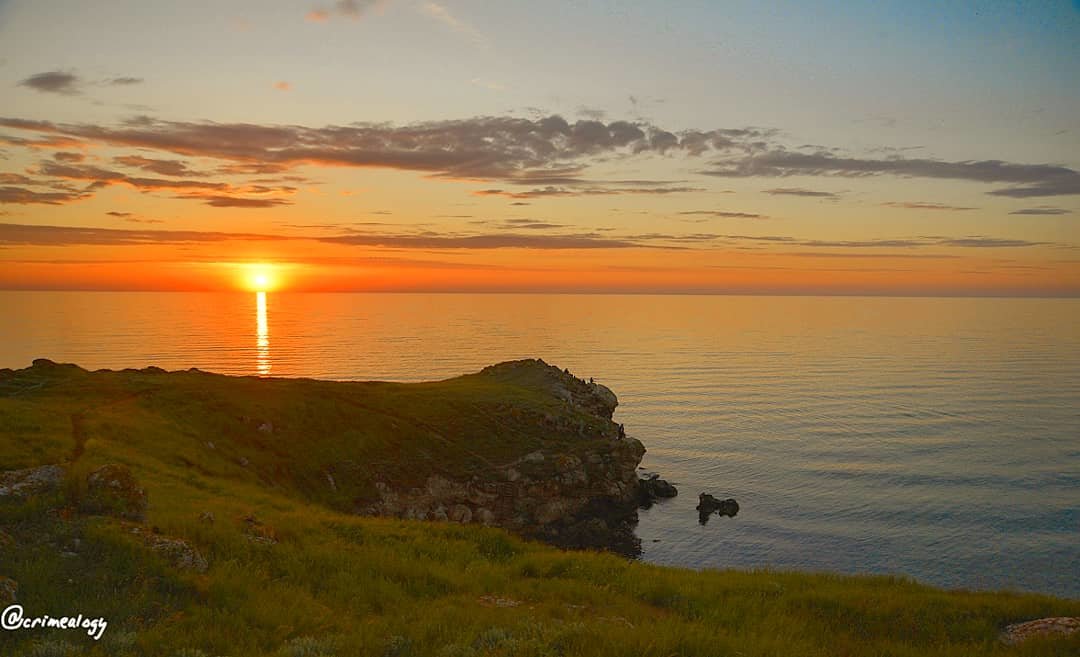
(580,490)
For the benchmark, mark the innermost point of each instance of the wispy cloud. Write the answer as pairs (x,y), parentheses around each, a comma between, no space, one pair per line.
(723,214)
(68,83)
(1042,210)
(282,85)
(131,217)
(53,82)
(799,191)
(23,196)
(552,191)
(1027,180)
(916,205)
(70,235)
(443,15)
(174,168)
(12,234)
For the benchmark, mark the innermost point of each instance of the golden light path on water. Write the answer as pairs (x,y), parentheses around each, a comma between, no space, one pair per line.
(262,336)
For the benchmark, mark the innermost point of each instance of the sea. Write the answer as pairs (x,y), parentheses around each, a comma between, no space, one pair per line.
(932,438)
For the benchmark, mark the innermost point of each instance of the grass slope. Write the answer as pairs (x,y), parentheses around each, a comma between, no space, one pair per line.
(292,573)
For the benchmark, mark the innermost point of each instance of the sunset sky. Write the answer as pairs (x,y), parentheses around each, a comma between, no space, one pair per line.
(901,147)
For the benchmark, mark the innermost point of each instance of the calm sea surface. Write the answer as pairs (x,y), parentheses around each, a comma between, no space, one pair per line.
(936,438)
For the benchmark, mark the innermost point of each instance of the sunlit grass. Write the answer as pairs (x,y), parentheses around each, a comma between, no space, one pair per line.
(337,584)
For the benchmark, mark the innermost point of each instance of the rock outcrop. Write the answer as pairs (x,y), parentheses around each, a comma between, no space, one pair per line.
(652,488)
(113,490)
(31,481)
(1059,626)
(708,505)
(582,492)
(175,551)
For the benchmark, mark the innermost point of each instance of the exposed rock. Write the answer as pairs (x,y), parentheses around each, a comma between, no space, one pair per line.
(577,488)
(9,589)
(460,513)
(266,427)
(707,505)
(113,490)
(495,601)
(1060,626)
(652,488)
(177,552)
(31,481)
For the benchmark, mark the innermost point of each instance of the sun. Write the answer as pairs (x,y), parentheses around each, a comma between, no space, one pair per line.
(261,278)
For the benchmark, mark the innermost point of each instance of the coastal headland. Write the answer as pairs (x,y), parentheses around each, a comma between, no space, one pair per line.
(200,514)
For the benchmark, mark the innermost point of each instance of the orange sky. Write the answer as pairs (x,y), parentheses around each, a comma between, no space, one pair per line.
(164,167)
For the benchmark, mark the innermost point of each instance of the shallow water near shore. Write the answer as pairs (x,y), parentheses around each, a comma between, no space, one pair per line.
(935,438)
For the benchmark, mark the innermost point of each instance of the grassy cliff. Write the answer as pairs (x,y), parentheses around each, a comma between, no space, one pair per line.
(210,515)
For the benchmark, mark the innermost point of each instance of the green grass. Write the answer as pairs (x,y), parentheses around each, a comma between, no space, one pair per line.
(338,584)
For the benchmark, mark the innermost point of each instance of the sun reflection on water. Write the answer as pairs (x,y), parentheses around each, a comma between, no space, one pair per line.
(262,336)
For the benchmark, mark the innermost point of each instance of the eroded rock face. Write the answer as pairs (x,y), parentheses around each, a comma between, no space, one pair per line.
(540,498)
(113,490)
(20,484)
(581,490)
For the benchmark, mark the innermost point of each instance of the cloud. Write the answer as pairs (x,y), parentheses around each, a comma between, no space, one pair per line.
(52,141)
(19,234)
(133,218)
(1042,210)
(724,214)
(23,196)
(174,168)
(543,151)
(910,205)
(546,152)
(282,85)
(63,156)
(22,234)
(15,179)
(215,194)
(222,201)
(443,15)
(552,191)
(826,254)
(485,241)
(799,191)
(530,224)
(100,177)
(1027,179)
(54,82)
(353,9)
(125,81)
